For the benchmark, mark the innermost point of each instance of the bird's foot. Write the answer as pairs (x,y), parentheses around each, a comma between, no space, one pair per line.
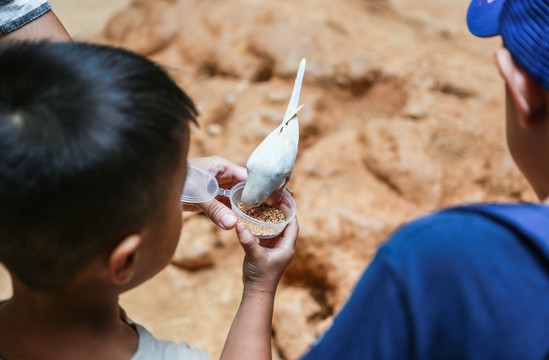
(290,191)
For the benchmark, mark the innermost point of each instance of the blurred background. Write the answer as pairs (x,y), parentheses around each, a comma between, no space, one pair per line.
(403,115)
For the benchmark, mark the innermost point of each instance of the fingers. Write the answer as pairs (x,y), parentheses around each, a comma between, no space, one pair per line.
(289,236)
(225,171)
(282,244)
(248,241)
(231,173)
(219,213)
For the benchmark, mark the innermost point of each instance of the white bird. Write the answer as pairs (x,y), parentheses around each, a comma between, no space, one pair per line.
(270,165)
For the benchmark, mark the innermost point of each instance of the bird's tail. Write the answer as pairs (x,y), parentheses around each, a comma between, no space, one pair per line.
(294,100)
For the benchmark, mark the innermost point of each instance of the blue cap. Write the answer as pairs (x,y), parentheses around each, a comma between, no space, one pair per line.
(524,28)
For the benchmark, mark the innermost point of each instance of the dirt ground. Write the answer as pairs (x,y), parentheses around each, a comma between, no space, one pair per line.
(403,115)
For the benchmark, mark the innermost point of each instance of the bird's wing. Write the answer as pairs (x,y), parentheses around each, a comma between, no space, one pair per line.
(272,155)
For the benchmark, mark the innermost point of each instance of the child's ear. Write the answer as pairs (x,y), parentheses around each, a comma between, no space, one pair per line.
(122,261)
(528,96)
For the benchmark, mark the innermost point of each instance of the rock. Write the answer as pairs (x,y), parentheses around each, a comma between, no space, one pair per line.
(295,312)
(145,27)
(396,153)
(196,244)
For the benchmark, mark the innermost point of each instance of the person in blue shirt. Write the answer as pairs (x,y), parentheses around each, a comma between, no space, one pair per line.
(469,282)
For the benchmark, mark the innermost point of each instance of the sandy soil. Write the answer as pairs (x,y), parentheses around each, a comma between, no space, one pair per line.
(403,115)
(83,19)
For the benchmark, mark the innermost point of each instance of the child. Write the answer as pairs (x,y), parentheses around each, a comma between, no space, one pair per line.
(469,282)
(94,142)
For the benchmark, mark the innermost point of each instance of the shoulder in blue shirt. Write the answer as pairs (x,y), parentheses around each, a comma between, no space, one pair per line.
(464,283)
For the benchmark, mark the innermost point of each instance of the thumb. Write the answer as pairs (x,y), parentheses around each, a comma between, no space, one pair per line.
(220,214)
(248,241)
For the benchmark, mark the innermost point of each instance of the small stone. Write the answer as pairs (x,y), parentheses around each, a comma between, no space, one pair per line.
(215,129)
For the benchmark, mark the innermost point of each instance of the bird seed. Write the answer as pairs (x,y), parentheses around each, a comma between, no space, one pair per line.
(264,212)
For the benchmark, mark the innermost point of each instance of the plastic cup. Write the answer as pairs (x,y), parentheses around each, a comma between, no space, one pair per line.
(201,186)
(261,229)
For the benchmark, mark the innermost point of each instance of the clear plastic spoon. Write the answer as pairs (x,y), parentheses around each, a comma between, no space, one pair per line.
(201,186)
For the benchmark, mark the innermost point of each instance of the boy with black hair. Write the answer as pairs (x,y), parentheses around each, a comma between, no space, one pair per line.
(94,143)
(469,282)
(34,20)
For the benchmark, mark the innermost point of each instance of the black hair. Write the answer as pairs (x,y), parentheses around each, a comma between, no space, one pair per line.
(89,136)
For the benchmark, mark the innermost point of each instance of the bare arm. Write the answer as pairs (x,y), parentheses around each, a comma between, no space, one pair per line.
(250,334)
(264,263)
(46,26)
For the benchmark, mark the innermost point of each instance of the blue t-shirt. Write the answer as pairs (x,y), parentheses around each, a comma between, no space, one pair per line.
(465,283)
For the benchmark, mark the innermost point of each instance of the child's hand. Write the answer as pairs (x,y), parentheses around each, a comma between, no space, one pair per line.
(227,174)
(266,261)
